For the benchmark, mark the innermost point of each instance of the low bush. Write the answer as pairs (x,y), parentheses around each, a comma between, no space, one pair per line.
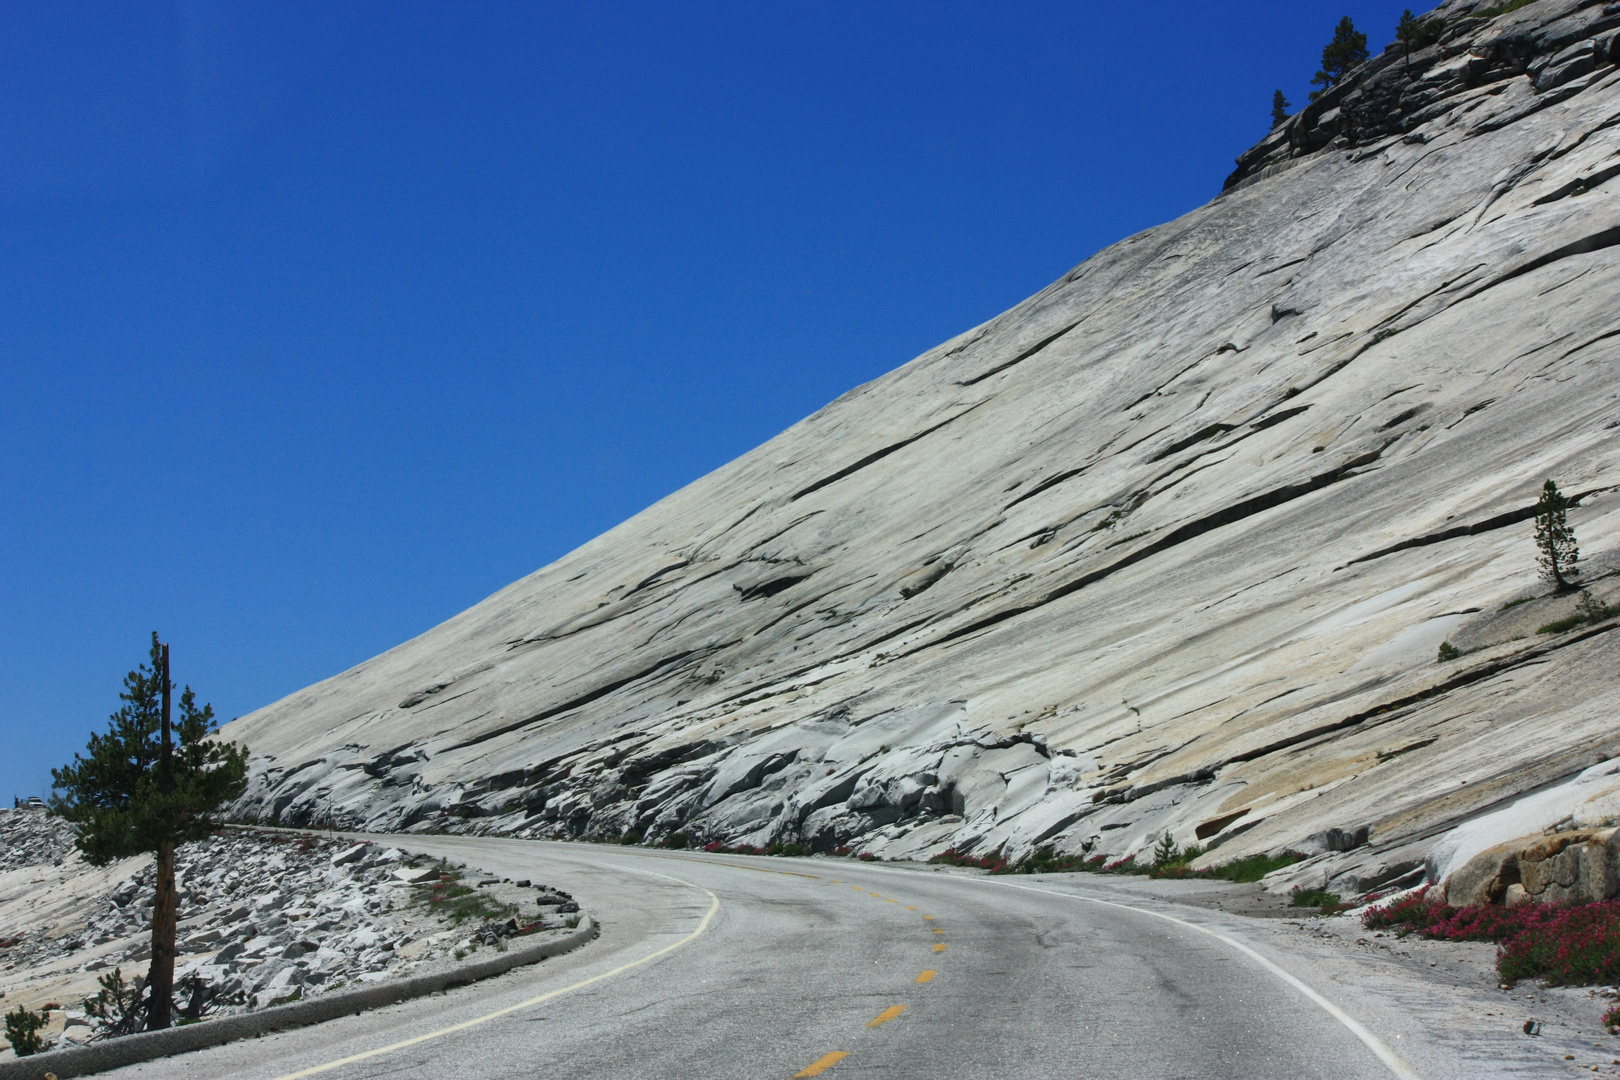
(1316,898)
(1588,609)
(1169,861)
(993,863)
(1573,946)
(455,902)
(119,1008)
(1565,945)
(1252,868)
(1411,912)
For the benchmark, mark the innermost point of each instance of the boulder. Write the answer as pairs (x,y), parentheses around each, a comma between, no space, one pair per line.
(1573,867)
(1485,878)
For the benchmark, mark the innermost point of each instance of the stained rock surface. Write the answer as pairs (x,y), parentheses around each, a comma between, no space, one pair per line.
(1170,546)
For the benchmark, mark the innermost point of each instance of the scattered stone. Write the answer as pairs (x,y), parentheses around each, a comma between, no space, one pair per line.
(263,918)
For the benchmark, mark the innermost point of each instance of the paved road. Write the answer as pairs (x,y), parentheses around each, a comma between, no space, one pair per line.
(777,967)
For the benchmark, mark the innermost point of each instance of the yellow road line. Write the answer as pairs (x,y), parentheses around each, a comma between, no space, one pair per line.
(886,1015)
(940,947)
(939,930)
(708,917)
(822,1064)
(893,901)
(910,908)
(927,976)
(930,918)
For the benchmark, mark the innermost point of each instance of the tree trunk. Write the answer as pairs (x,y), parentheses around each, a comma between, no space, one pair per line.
(165,908)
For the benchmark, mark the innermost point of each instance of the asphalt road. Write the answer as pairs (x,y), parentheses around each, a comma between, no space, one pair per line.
(727,966)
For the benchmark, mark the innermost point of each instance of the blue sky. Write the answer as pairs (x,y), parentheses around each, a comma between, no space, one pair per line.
(320,323)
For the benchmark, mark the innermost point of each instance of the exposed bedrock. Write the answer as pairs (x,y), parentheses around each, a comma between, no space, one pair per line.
(1169,546)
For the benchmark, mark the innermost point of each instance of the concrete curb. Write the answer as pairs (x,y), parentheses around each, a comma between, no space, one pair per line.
(147,1045)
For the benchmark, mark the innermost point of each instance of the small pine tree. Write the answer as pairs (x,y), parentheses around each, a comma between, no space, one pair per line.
(139,792)
(1406,32)
(1557,551)
(1414,33)
(1166,853)
(120,1007)
(1339,56)
(1279,108)
(22,1032)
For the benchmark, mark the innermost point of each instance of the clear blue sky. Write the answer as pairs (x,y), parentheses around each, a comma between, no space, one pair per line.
(319,324)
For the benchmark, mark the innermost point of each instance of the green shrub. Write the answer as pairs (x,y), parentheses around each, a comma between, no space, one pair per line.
(1502,9)
(1316,898)
(1176,864)
(1448,651)
(1253,868)
(120,1007)
(455,903)
(22,1032)
(1588,609)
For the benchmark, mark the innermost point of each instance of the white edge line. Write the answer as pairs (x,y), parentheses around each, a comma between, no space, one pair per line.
(1382,1050)
(708,917)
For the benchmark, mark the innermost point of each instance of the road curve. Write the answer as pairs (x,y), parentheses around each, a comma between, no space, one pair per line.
(727,966)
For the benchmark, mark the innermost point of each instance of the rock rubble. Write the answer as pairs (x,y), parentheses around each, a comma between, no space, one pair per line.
(266,918)
(32,838)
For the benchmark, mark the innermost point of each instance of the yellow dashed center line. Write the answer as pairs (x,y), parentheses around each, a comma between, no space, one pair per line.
(886,1015)
(822,1064)
(827,1061)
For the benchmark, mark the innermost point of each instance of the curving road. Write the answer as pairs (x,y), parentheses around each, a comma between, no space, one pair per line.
(727,966)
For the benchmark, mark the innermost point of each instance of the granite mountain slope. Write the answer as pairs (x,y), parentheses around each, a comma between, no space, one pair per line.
(1171,545)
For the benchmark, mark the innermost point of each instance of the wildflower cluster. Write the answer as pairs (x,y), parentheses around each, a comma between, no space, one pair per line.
(1574,946)
(1565,945)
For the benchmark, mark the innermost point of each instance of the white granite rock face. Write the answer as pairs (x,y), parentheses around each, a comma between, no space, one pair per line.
(1171,545)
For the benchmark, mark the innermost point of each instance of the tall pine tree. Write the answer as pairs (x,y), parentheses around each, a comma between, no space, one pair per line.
(148,786)
(1347,50)
(1414,33)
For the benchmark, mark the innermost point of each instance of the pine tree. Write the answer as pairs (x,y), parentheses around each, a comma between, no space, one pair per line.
(138,791)
(1557,552)
(1414,33)
(1279,108)
(1347,49)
